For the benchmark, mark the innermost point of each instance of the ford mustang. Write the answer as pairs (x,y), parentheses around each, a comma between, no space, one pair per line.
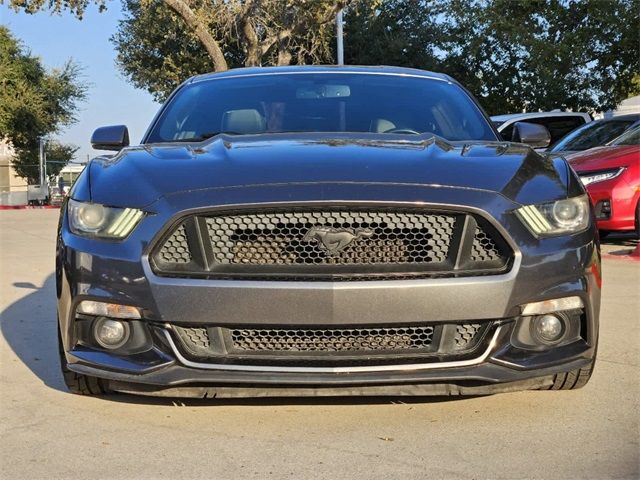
(326,231)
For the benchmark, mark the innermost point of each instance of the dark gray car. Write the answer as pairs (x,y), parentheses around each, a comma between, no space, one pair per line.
(326,231)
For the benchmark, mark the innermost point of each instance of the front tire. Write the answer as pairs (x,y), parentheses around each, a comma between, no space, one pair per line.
(572,380)
(78,383)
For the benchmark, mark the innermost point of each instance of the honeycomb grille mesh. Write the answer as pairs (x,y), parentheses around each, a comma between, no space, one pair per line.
(332,340)
(465,334)
(332,244)
(330,237)
(484,248)
(176,248)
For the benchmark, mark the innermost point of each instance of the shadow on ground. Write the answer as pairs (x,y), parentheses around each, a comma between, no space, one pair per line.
(29,327)
(619,244)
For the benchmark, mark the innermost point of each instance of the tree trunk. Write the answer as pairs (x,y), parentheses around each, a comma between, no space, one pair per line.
(202,32)
(284,53)
(254,51)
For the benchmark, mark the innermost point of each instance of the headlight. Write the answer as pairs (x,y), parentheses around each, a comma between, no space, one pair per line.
(600,175)
(93,219)
(570,215)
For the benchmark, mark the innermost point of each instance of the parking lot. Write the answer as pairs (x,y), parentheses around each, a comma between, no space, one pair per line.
(47,433)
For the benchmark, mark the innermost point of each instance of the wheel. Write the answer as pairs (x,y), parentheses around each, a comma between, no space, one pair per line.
(572,380)
(76,382)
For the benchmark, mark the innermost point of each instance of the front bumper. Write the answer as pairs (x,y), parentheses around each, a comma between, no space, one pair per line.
(120,273)
(622,196)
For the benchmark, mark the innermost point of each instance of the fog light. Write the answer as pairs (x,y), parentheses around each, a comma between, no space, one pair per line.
(548,329)
(110,333)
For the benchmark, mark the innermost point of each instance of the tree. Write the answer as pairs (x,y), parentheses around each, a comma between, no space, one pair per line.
(161,42)
(221,32)
(58,155)
(544,54)
(34,103)
(157,59)
(403,33)
(513,55)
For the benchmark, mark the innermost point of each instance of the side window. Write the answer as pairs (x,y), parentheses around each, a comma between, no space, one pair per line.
(559,126)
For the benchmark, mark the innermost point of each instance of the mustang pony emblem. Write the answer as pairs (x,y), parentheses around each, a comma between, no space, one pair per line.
(334,240)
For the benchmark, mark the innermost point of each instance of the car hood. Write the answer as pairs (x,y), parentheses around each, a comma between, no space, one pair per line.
(602,158)
(138,176)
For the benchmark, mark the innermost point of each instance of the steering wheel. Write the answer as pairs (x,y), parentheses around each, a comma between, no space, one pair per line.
(402,130)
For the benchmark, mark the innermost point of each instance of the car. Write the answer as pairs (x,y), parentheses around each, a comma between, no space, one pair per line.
(612,177)
(558,123)
(324,231)
(595,134)
(56,197)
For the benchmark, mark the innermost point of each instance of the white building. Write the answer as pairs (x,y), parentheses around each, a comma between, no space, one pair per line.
(13,189)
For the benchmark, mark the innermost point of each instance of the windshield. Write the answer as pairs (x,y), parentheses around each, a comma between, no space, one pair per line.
(631,137)
(591,135)
(320,102)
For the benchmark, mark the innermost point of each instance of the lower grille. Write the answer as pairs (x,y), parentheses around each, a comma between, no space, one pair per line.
(334,340)
(326,343)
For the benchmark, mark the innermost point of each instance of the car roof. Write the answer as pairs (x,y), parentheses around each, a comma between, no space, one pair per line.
(511,116)
(634,117)
(379,70)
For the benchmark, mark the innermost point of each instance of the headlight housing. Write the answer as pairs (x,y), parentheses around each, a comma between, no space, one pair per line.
(600,175)
(570,215)
(95,220)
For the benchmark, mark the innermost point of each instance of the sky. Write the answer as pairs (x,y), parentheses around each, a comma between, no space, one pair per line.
(111,99)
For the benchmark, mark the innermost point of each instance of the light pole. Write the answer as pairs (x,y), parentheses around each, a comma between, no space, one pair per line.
(42,162)
(340,38)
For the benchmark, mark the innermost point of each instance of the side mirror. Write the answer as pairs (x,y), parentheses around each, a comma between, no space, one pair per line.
(114,137)
(532,134)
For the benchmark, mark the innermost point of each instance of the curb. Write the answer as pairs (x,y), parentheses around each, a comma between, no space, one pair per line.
(29,207)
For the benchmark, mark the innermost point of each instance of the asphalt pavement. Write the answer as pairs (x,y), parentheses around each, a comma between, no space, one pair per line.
(45,432)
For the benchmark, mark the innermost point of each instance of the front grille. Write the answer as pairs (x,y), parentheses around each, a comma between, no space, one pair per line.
(308,343)
(332,340)
(176,250)
(338,244)
(313,238)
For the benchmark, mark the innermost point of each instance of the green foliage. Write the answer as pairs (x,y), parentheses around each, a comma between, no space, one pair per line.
(34,102)
(158,48)
(513,55)
(393,32)
(77,7)
(57,155)
(544,54)
(158,59)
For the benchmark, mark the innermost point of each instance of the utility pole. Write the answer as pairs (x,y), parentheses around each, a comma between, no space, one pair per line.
(340,38)
(42,164)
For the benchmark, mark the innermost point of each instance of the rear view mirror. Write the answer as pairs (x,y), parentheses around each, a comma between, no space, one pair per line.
(313,92)
(532,134)
(114,137)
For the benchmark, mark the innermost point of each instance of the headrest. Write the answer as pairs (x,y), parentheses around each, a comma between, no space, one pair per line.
(381,125)
(243,121)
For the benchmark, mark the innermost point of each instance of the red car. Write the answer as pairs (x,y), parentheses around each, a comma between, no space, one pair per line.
(612,177)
